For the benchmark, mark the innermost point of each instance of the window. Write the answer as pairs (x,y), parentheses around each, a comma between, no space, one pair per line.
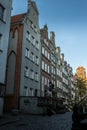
(43,65)
(42,83)
(48,55)
(2,9)
(28,36)
(33,40)
(45,53)
(0,41)
(48,69)
(37,45)
(36,76)
(43,50)
(54,71)
(27,53)
(35,94)
(35,29)
(48,82)
(1,90)
(32,56)
(32,25)
(36,60)
(26,71)
(42,79)
(47,43)
(31,91)
(45,81)
(31,74)
(25,91)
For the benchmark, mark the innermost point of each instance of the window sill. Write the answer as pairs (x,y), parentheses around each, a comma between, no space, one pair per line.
(26,76)
(27,57)
(31,78)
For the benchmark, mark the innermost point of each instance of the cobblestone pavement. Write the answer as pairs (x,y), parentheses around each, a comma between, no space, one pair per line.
(34,122)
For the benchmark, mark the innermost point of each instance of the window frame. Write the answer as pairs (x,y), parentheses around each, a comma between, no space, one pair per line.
(36,76)
(26,71)
(0,42)
(31,74)
(28,36)
(26,91)
(27,53)
(2,12)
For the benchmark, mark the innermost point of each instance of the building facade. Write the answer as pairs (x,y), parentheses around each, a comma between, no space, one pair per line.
(23,65)
(56,73)
(5,14)
(64,78)
(45,61)
(35,66)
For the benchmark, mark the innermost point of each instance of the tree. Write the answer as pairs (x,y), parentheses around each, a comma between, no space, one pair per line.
(81,84)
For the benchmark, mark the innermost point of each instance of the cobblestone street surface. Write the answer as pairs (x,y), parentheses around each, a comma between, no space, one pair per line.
(35,122)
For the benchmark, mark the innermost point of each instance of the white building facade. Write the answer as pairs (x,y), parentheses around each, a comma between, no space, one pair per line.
(5,13)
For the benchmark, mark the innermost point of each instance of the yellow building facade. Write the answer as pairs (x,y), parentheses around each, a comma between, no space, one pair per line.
(81,72)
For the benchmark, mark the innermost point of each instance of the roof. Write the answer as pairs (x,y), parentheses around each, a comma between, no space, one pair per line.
(17,18)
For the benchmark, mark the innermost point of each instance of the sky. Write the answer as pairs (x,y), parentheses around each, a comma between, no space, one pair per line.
(68,19)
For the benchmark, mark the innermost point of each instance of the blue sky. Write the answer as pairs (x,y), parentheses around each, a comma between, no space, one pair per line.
(68,19)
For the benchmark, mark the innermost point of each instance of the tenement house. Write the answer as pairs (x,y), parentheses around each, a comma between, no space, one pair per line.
(35,66)
(23,64)
(45,61)
(5,13)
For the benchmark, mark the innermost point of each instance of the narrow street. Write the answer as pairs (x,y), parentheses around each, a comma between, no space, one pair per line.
(35,122)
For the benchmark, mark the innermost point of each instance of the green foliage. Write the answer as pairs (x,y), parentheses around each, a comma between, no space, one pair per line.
(81,84)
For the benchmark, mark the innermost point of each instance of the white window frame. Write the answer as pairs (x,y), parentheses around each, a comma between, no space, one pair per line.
(31,74)
(43,65)
(36,76)
(43,50)
(26,71)
(48,69)
(27,53)
(45,81)
(48,56)
(42,82)
(37,44)
(45,53)
(37,60)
